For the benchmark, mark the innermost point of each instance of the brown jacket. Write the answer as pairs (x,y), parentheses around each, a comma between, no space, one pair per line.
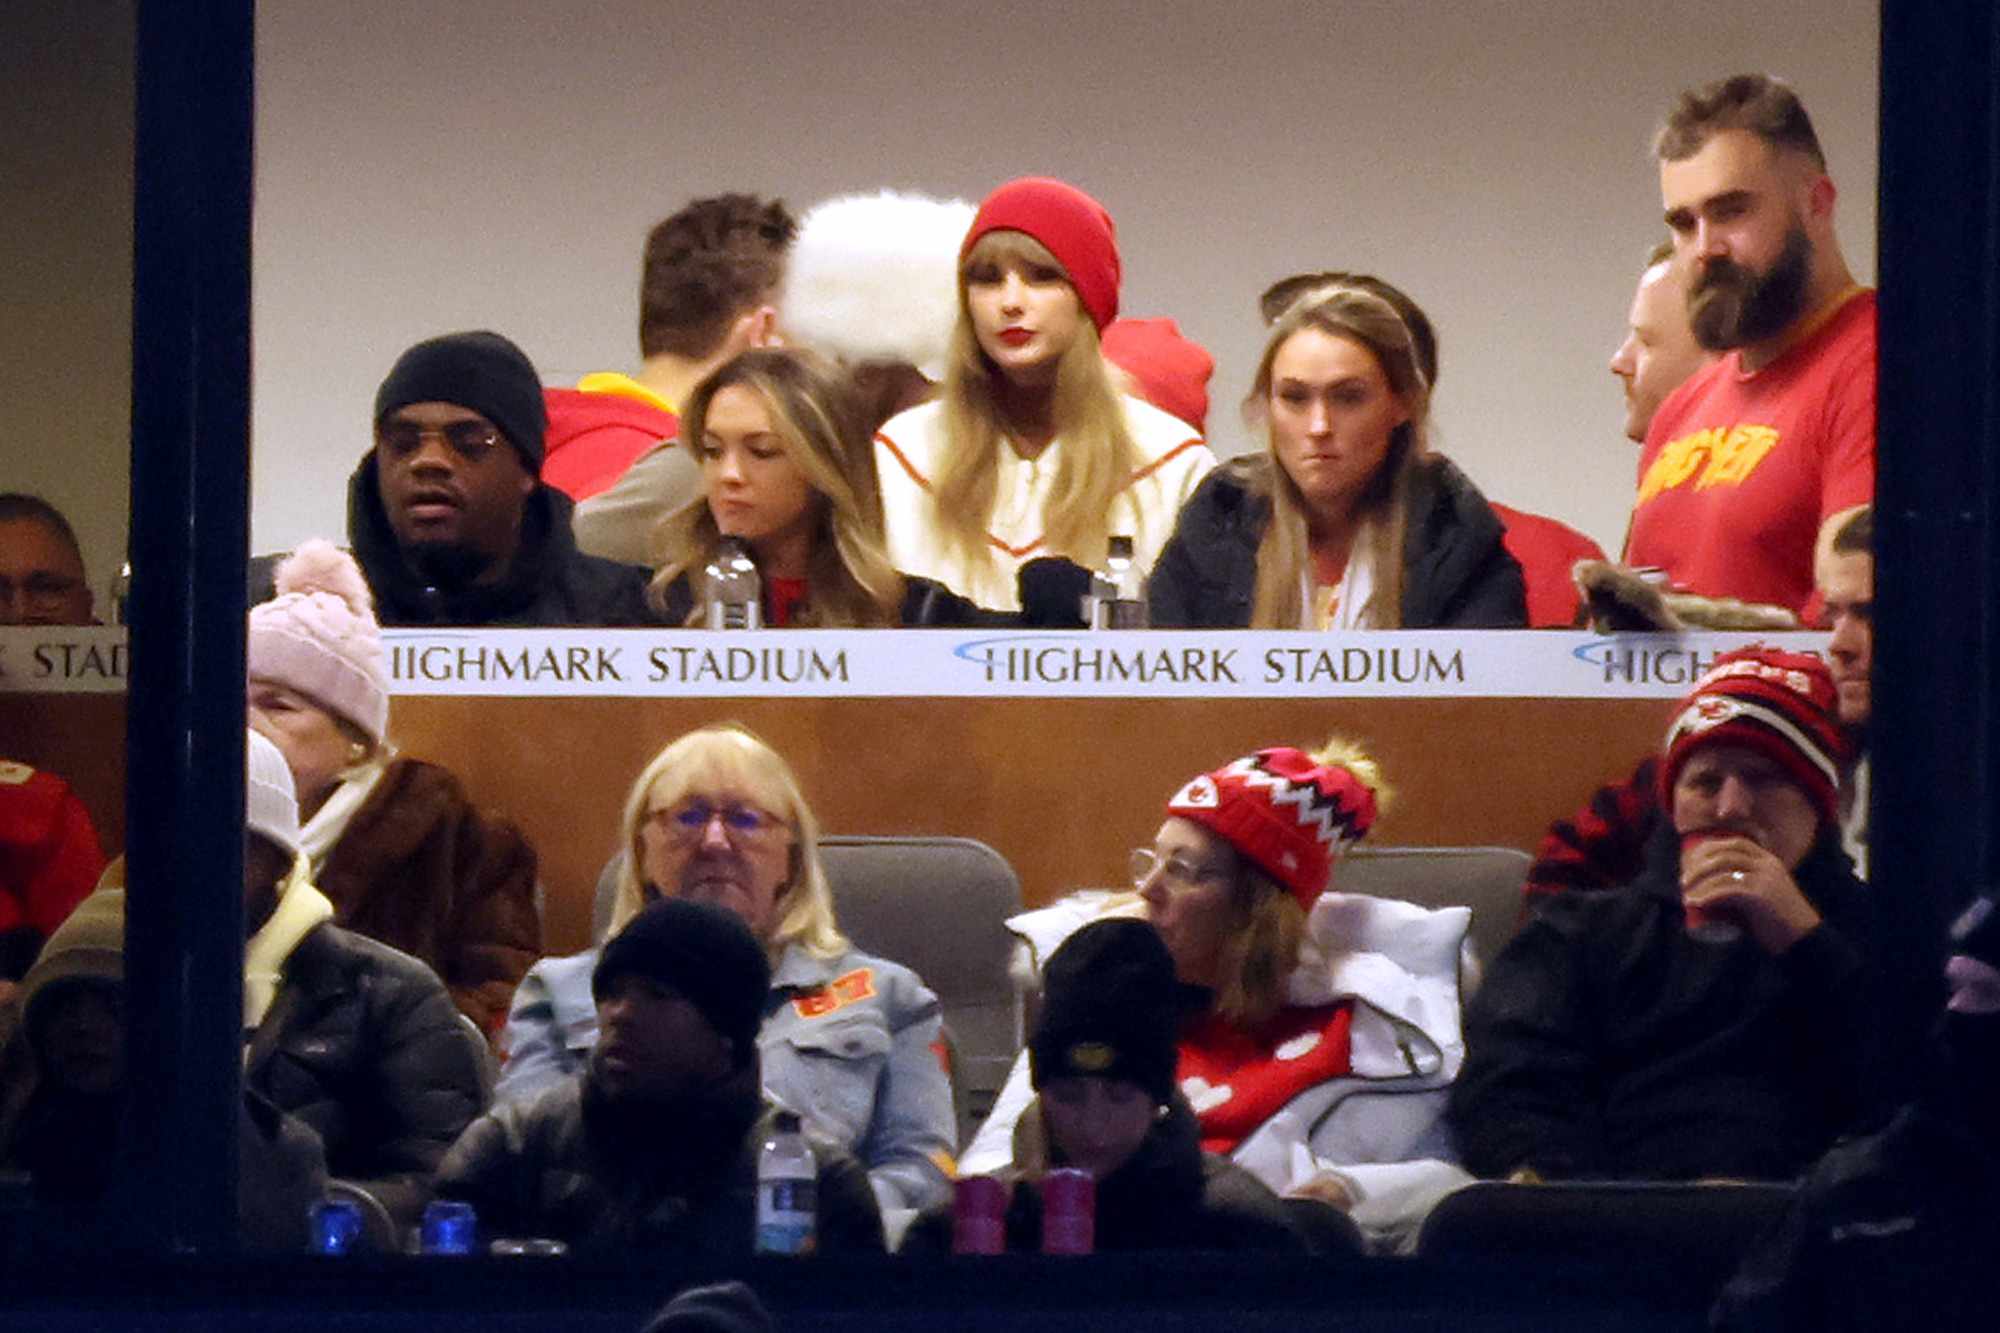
(420,869)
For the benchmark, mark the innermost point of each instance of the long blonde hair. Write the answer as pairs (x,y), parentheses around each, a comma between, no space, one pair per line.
(849,579)
(1098,457)
(1285,555)
(731,758)
(1261,953)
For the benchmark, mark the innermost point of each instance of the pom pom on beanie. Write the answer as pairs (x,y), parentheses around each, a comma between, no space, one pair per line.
(319,637)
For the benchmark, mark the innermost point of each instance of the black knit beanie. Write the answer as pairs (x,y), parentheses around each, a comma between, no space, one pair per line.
(701,952)
(481,371)
(1109,1009)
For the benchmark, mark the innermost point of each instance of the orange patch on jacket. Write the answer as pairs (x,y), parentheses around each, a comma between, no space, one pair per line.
(842,991)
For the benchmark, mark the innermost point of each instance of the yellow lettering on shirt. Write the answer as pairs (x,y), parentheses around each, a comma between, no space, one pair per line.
(1737,455)
(1715,456)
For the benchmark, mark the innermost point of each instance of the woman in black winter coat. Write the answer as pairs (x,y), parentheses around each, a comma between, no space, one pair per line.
(1346,521)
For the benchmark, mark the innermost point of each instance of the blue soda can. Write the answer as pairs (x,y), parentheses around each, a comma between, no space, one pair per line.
(449,1227)
(335,1227)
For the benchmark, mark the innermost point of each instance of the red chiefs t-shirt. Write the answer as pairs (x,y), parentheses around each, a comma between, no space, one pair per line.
(1740,468)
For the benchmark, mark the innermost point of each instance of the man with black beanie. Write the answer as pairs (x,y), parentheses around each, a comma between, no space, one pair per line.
(1899,1230)
(446,514)
(654,1146)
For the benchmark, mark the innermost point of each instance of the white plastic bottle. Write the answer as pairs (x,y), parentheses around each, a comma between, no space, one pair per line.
(1117,592)
(787,1190)
(731,589)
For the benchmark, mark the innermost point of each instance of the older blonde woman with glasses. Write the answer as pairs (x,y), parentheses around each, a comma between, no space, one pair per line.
(1319,1030)
(849,1040)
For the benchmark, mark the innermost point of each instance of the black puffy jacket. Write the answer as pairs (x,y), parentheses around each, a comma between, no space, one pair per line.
(1607,1042)
(660,1179)
(1456,570)
(363,1044)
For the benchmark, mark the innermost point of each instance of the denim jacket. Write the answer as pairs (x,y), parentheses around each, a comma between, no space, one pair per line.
(854,1044)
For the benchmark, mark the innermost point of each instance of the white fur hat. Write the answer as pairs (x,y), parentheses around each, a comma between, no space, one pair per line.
(319,636)
(874,277)
(270,802)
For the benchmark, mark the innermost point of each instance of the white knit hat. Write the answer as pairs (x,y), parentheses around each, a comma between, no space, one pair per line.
(874,277)
(270,801)
(319,637)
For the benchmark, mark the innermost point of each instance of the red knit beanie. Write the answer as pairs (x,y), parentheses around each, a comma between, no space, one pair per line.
(1782,705)
(1289,814)
(1169,368)
(1074,227)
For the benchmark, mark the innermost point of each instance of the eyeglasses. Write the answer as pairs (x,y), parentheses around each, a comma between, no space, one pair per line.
(1176,873)
(744,825)
(470,440)
(38,591)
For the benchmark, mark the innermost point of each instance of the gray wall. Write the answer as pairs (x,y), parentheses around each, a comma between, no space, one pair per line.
(497,162)
(66,265)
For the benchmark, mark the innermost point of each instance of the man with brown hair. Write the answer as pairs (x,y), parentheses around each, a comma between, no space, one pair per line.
(707,290)
(1659,353)
(1759,454)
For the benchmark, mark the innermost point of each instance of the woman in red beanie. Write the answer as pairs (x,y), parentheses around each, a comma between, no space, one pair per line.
(1031,451)
(1320,1030)
(1345,521)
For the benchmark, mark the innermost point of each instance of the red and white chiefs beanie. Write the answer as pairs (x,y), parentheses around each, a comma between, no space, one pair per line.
(1782,705)
(1288,813)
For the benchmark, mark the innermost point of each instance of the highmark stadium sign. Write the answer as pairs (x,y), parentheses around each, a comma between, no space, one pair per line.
(982,663)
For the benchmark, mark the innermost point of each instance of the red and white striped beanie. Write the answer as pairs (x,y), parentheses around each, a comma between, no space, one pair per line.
(1285,811)
(1781,705)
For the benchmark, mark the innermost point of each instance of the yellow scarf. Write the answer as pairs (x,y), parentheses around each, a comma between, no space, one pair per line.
(301,906)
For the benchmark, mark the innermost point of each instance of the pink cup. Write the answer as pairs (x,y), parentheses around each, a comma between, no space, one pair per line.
(1069,1212)
(978,1215)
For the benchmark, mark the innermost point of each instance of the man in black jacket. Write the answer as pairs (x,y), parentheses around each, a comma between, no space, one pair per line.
(1898,1230)
(1718,1016)
(359,1041)
(446,514)
(654,1146)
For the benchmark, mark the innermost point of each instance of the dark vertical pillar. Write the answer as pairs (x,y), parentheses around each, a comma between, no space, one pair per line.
(184,735)
(1937,579)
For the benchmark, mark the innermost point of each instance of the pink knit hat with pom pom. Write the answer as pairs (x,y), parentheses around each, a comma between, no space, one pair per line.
(318,636)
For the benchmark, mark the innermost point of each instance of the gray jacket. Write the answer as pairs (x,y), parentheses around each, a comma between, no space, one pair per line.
(851,1043)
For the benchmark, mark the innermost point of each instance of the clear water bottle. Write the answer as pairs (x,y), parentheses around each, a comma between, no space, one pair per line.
(336,1227)
(449,1226)
(730,587)
(1117,592)
(787,1189)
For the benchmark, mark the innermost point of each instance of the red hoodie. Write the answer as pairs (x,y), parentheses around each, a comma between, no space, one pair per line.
(597,429)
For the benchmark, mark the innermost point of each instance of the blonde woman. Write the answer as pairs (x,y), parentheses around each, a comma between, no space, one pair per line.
(1345,521)
(1319,1032)
(786,469)
(1031,450)
(848,1040)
